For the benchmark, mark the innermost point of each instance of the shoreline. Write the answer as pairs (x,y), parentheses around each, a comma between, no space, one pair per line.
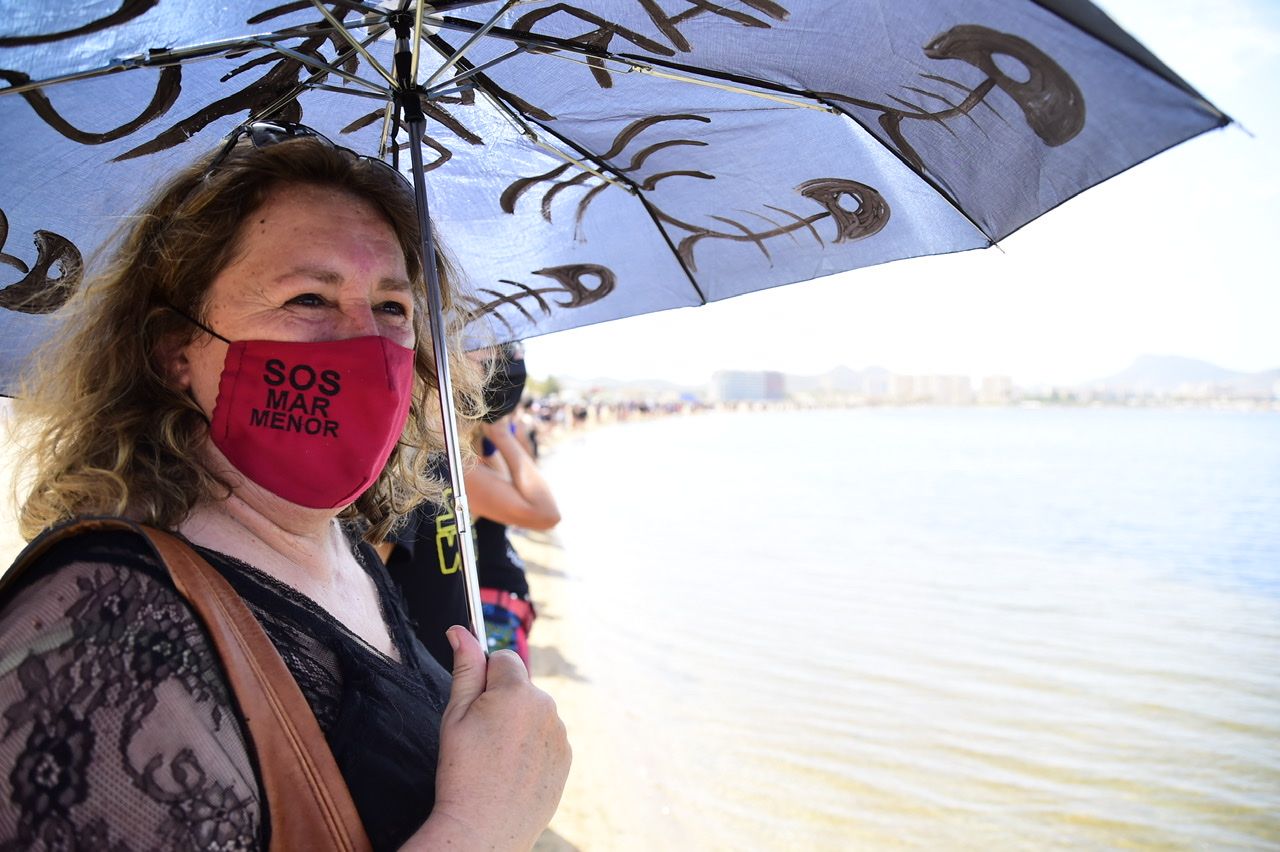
(603,415)
(582,815)
(616,786)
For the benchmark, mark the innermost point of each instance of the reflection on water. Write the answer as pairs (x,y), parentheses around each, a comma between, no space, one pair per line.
(933,629)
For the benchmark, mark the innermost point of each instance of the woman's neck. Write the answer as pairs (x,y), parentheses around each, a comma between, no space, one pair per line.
(302,548)
(268,536)
(263,529)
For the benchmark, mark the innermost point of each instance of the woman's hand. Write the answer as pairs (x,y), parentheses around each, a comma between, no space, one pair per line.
(504,756)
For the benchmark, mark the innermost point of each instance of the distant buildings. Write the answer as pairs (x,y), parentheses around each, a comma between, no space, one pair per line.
(853,387)
(938,390)
(996,390)
(1152,381)
(745,386)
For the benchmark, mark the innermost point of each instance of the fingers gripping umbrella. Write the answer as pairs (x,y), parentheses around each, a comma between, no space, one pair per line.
(587,160)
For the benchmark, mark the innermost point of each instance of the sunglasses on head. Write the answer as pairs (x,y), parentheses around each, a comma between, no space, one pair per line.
(265,133)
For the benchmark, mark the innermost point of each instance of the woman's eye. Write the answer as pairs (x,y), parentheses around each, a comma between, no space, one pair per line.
(310,300)
(394,308)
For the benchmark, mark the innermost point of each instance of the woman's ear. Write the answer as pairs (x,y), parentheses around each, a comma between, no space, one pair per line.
(172,361)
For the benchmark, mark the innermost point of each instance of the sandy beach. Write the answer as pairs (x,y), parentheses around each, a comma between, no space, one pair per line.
(590,809)
(615,789)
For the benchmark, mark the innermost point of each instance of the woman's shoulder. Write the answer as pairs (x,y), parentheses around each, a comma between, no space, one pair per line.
(114,702)
(102,593)
(118,548)
(69,577)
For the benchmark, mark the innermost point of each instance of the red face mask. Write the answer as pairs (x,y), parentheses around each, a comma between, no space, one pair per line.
(312,422)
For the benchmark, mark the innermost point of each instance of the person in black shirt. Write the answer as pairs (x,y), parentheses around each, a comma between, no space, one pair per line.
(504,488)
(422,557)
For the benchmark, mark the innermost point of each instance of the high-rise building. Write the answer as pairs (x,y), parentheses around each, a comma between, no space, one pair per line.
(996,390)
(747,386)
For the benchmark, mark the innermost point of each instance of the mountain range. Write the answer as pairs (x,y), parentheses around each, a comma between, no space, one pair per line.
(1169,374)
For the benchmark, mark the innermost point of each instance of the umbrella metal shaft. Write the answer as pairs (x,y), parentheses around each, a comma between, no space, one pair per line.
(448,417)
(416,123)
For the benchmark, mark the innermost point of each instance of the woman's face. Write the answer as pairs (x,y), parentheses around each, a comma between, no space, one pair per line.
(313,264)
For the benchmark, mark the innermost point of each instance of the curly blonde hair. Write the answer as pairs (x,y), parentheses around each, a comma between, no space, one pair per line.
(110,435)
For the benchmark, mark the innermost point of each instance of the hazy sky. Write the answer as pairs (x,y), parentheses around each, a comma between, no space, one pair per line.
(1172,257)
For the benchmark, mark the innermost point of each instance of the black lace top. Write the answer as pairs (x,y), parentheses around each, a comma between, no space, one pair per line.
(117,730)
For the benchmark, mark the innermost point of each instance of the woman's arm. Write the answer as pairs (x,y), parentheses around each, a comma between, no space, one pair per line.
(525,500)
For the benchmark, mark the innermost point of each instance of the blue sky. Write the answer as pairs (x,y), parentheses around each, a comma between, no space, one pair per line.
(1172,257)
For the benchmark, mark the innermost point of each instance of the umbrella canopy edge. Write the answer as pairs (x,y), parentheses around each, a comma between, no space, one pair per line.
(1092,20)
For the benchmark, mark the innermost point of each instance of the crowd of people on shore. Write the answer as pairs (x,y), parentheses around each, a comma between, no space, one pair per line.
(543,421)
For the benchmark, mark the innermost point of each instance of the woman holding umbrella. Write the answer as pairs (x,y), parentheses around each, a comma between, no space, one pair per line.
(250,373)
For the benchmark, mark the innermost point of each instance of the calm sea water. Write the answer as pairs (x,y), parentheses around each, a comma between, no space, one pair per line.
(935,629)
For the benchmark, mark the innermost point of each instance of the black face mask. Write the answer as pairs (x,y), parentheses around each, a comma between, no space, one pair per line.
(506,386)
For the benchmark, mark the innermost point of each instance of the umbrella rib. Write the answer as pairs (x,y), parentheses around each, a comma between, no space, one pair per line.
(632,64)
(387,116)
(329,87)
(436,5)
(311,82)
(167,56)
(69,78)
(354,42)
(437,89)
(325,67)
(462,49)
(553,43)
(724,87)
(417,37)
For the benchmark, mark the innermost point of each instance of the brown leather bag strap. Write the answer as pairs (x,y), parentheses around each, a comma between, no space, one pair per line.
(309,805)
